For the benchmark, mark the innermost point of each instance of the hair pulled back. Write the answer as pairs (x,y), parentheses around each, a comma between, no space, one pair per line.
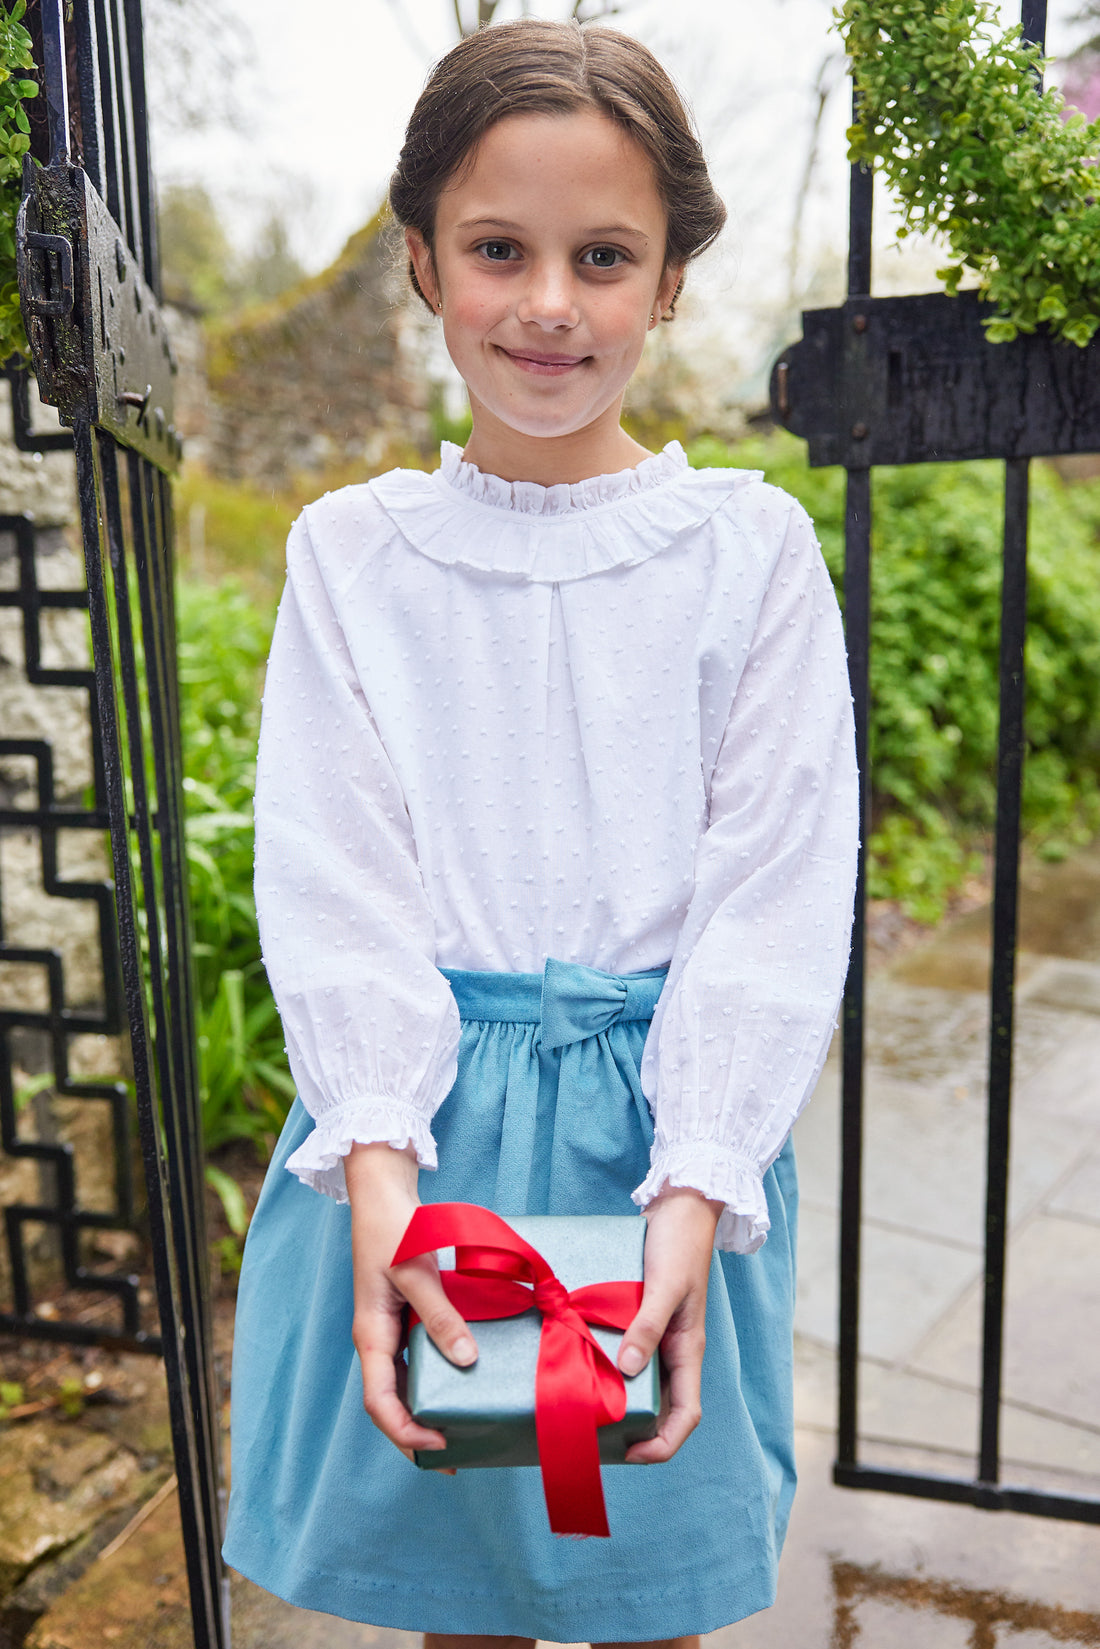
(534,67)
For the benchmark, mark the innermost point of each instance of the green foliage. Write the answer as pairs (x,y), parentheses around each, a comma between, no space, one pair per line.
(936,579)
(15,89)
(223,642)
(952,112)
(11,1397)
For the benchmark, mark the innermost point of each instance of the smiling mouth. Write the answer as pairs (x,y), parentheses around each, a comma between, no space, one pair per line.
(547,366)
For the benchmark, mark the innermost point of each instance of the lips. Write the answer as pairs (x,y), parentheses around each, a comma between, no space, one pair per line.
(551,366)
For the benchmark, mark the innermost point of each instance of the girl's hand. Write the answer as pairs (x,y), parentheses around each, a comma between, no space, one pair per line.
(382,1192)
(678,1248)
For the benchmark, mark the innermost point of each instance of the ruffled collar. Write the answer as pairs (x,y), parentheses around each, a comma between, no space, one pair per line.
(461,516)
(528,498)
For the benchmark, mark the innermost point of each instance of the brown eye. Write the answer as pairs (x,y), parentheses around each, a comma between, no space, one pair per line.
(603,257)
(498,251)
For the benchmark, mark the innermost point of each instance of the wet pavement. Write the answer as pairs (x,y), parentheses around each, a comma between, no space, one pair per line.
(880,1570)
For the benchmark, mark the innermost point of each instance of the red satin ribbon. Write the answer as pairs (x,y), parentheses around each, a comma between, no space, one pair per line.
(577,1387)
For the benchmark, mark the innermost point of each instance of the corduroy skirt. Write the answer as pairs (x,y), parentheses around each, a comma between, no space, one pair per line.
(546,1116)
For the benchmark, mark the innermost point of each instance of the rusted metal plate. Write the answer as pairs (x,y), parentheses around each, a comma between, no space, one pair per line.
(913,380)
(100,347)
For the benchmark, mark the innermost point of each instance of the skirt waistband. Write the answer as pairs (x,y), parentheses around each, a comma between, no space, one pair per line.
(567,1000)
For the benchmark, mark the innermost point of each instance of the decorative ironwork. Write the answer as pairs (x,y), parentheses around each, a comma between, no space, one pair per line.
(88,282)
(57,1021)
(911,380)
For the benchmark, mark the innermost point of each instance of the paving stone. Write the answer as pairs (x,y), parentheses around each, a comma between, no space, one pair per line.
(1065,1084)
(57,1481)
(135,1599)
(1052,1323)
(880,1623)
(937,1564)
(1080,1195)
(908,1282)
(1071,986)
(814,1384)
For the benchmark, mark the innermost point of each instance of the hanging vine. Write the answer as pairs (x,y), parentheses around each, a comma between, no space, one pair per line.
(15,60)
(952,112)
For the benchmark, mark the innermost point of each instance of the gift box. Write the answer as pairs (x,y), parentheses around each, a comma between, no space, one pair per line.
(487,1411)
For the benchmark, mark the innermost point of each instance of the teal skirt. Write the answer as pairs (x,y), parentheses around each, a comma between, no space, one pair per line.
(546,1116)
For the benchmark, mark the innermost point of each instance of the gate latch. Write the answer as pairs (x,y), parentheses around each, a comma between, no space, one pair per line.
(48,279)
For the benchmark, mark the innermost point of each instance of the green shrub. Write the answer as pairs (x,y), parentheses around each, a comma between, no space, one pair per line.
(15,89)
(936,579)
(224,636)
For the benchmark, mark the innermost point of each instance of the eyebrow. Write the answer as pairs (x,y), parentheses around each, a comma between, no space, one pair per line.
(604,231)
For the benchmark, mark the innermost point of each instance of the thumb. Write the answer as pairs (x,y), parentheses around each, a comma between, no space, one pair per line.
(646,1330)
(418,1280)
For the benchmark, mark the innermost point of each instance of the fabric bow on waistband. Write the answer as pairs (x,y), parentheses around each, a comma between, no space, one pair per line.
(578,1002)
(577,1386)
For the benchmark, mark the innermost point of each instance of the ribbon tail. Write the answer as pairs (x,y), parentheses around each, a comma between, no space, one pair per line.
(569,1449)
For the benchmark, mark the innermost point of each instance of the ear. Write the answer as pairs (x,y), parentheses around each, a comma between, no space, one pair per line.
(668,290)
(422,262)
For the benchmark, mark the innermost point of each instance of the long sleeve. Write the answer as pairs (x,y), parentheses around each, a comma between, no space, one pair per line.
(348,936)
(744,1023)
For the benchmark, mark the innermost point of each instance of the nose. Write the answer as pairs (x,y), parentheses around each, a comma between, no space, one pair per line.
(548,298)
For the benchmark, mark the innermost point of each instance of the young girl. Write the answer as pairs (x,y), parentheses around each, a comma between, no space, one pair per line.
(556,823)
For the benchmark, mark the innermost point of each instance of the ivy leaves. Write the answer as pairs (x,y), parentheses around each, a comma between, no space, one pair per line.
(15,89)
(951,110)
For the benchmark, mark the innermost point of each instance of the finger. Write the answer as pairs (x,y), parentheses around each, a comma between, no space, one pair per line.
(684,1413)
(646,1330)
(382,1403)
(446,1327)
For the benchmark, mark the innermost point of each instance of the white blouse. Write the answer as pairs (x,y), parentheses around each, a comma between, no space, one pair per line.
(607,722)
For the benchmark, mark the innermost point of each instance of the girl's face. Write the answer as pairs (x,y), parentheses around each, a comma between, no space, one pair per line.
(549,269)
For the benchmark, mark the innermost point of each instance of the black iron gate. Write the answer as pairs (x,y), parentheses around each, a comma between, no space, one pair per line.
(88,276)
(903,381)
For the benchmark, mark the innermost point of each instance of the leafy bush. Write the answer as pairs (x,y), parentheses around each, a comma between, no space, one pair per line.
(224,636)
(936,579)
(951,110)
(15,89)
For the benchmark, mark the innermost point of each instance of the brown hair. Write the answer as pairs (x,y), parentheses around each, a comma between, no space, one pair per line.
(533,67)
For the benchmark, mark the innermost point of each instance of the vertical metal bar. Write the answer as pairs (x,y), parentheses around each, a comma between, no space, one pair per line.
(860,202)
(120,63)
(172,1299)
(1033,18)
(108,108)
(152,559)
(88,91)
(857,629)
(55,85)
(1010,761)
(135,46)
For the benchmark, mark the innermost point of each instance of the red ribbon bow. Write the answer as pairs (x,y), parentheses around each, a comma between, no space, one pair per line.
(577,1386)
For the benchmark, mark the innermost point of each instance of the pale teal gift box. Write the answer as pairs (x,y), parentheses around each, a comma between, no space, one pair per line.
(487,1411)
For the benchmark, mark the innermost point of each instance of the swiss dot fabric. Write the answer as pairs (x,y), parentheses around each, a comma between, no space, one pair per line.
(607,723)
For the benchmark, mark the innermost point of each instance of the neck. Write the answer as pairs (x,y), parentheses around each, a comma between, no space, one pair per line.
(601,448)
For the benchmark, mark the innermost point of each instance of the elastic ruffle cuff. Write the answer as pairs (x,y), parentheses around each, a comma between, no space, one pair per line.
(319,1160)
(721,1176)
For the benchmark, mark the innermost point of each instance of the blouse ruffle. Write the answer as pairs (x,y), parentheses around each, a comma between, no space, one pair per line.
(722,1176)
(459,516)
(319,1160)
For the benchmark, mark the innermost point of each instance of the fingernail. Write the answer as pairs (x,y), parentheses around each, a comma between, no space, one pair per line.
(464,1350)
(632,1361)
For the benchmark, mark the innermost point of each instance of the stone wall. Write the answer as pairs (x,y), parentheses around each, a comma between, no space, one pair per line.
(329,376)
